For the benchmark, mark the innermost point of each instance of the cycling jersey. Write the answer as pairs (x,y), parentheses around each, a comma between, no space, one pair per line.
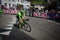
(20,14)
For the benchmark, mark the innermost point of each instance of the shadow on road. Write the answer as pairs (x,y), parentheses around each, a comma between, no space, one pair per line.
(57,33)
(17,34)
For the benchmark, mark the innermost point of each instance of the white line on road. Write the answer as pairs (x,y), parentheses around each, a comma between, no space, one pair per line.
(5,33)
(12,22)
(9,28)
(10,25)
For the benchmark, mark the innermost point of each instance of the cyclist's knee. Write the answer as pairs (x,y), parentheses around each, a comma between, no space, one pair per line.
(21,21)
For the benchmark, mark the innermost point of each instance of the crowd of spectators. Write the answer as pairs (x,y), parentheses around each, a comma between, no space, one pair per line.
(50,14)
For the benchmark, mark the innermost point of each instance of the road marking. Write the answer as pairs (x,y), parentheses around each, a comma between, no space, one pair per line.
(5,33)
(10,25)
(12,22)
(9,28)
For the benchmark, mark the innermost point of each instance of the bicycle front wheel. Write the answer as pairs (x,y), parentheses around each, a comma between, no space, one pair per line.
(27,27)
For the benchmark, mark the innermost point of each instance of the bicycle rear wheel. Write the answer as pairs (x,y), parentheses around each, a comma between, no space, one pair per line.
(27,27)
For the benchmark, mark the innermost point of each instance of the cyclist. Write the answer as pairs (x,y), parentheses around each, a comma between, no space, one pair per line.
(20,14)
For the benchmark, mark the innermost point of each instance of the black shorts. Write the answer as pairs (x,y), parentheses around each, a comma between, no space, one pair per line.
(18,17)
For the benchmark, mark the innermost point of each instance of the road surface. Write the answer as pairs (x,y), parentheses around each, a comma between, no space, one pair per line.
(42,29)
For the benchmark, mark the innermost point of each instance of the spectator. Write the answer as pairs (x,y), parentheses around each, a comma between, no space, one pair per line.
(35,13)
(33,10)
(46,11)
(53,14)
(58,16)
(49,14)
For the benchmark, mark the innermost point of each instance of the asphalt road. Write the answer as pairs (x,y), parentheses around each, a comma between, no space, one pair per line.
(42,29)
(7,20)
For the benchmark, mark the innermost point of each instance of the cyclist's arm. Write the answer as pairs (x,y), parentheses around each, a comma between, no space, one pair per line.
(19,15)
(24,14)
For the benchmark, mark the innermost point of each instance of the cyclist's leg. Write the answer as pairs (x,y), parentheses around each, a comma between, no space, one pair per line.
(22,23)
(17,17)
(18,20)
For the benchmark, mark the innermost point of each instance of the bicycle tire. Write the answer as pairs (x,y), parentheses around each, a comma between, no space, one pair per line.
(27,25)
